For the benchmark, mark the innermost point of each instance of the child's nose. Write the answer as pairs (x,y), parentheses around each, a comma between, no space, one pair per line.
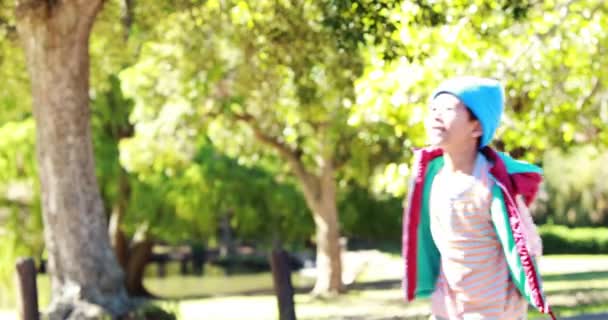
(433,120)
(436,116)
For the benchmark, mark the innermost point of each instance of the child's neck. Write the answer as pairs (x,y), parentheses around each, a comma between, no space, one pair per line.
(460,160)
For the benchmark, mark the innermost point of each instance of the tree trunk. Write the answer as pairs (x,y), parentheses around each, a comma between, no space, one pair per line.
(227,245)
(131,257)
(84,272)
(138,258)
(117,236)
(321,199)
(133,260)
(320,195)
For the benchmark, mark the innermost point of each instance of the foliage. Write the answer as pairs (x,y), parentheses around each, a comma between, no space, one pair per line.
(564,240)
(547,54)
(575,192)
(150,311)
(269,83)
(369,217)
(213,185)
(21,221)
(270,65)
(15,97)
(176,200)
(364,22)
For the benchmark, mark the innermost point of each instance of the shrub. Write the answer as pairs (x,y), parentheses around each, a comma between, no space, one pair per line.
(564,240)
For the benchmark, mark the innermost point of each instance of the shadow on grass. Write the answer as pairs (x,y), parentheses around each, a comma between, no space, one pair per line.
(583,301)
(376,285)
(580,312)
(373,285)
(395,284)
(594,316)
(246,293)
(572,292)
(371,317)
(578,276)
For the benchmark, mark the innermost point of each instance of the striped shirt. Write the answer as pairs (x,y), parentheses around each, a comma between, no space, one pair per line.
(474,281)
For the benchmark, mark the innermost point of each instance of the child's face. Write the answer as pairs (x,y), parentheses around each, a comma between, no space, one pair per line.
(449,124)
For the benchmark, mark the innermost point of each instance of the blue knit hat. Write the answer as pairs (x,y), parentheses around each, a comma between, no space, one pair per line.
(483,96)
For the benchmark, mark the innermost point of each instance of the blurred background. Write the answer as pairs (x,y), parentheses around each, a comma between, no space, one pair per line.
(223,131)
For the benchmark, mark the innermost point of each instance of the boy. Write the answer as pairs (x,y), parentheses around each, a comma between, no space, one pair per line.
(468,239)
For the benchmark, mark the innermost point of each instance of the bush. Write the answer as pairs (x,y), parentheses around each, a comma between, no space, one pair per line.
(149,311)
(364,217)
(564,240)
(575,192)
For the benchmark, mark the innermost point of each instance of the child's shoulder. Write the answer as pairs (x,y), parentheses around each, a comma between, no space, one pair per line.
(515,166)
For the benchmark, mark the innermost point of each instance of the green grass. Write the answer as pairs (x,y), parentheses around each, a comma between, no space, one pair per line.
(192,286)
(575,284)
(7,295)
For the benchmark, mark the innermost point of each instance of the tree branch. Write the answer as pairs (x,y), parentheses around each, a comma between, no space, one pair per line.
(311,183)
(585,100)
(10,29)
(127,7)
(341,159)
(293,157)
(89,9)
(30,8)
(285,151)
(542,36)
(20,203)
(539,37)
(64,17)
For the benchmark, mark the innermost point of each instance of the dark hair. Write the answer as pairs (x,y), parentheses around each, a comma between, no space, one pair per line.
(471,114)
(472,117)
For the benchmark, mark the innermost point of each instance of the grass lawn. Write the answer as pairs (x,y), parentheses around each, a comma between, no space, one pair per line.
(574,285)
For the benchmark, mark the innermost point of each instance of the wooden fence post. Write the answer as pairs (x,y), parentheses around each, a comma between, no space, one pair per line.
(281,275)
(27,292)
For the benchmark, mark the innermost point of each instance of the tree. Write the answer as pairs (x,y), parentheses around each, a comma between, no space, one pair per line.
(110,115)
(110,126)
(125,26)
(547,54)
(119,31)
(276,82)
(84,270)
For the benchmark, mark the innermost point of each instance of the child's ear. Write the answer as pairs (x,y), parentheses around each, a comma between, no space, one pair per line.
(477,130)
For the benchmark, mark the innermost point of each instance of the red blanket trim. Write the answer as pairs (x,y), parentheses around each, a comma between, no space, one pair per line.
(499,171)
(413,212)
